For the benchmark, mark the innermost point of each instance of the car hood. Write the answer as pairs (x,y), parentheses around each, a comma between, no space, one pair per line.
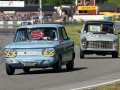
(32,44)
(103,37)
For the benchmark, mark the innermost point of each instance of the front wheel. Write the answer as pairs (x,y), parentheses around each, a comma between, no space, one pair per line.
(114,54)
(58,65)
(9,70)
(81,54)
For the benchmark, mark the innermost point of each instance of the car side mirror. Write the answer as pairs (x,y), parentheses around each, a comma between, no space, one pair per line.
(68,37)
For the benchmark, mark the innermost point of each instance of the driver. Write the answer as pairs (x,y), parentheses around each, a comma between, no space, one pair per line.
(50,34)
(105,29)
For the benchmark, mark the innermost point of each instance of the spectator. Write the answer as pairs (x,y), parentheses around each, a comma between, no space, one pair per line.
(20,16)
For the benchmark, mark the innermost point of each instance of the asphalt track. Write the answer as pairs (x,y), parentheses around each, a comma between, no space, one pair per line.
(89,71)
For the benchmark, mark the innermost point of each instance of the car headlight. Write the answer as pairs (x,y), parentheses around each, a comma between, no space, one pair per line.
(48,52)
(10,53)
(115,42)
(84,42)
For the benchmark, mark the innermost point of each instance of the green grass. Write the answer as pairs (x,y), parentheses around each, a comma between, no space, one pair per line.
(119,40)
(72,31)
(115,86)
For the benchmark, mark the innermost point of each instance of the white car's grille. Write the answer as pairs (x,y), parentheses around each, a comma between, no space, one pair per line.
(100,44)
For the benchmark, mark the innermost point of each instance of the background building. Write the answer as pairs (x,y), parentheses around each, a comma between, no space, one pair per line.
(86,7)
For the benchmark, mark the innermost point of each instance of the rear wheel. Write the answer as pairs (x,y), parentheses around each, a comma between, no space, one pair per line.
(81,54)
(9,70)
(114,54)
(26,69)
(58,65)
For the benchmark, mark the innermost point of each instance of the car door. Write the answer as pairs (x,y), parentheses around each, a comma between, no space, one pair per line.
(68,46)
(62,44)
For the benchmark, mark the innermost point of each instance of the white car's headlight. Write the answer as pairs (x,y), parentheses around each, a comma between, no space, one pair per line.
(115,42)
(48,52)
(10,53)
(84,42)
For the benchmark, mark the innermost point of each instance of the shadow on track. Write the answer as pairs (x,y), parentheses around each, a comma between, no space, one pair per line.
(49,71)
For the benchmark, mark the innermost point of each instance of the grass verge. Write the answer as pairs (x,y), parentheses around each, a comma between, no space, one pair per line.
(72,31)
(113,86)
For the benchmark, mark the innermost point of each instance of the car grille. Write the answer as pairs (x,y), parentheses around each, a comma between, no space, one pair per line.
(100,44)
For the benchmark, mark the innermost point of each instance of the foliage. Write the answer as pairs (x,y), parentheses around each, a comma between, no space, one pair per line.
(117,2)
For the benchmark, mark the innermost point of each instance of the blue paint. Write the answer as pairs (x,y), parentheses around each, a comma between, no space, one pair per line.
(14,22)
(107,18)
(5,22)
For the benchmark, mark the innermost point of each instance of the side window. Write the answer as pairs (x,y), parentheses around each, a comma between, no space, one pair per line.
(64,33)
(60,33)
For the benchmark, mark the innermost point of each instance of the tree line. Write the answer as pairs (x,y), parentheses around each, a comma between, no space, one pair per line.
(59,2)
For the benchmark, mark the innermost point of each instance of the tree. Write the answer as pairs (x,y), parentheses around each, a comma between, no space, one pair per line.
(117,2)
(100,1)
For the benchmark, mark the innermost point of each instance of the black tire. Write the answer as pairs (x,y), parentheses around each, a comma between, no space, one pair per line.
(114,54)
(58,65)
(9,70)
(26,70)
(70,65)
(81,54)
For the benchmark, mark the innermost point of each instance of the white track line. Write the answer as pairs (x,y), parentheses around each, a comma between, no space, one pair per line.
(92,86)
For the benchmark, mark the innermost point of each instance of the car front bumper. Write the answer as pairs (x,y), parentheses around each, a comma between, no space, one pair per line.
(97,49)
(41,62)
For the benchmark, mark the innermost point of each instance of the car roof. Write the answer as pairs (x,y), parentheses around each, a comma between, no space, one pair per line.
(41,25)
(99,21)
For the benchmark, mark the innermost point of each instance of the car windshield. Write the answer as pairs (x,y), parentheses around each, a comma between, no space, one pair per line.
(42,33)
(99,28)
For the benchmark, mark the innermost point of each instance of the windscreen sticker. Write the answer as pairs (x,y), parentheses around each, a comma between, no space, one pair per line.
(37,34)
(95,28)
